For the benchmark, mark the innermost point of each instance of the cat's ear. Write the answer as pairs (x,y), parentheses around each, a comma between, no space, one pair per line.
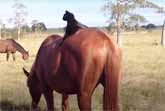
(66,11)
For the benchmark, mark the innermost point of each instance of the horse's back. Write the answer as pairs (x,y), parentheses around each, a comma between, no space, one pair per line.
(47,47)
(91,38)
(88,44)
(50,39)
(6,44)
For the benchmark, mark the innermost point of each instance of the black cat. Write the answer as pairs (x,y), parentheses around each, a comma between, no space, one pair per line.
(72,24)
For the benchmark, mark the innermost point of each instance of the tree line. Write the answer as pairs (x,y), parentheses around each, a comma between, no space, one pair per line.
(37,27)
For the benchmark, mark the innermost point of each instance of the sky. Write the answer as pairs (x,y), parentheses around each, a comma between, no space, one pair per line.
(51,12)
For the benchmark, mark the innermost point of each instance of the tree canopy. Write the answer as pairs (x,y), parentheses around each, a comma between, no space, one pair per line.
(39,27)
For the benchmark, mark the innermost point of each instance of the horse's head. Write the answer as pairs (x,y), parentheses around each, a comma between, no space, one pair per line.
(68,16)
(25,55)
(34,87)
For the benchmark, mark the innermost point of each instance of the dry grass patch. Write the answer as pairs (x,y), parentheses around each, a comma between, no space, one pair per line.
(143,84)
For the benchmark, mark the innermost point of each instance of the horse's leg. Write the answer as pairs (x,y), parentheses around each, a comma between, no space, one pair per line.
(111,83)
(13,54)
(85,94)
(65,104)
(84,101)
(48,94)
(7,56)
(88,82)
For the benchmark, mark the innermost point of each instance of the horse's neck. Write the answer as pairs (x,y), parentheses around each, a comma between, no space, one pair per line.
(19,48)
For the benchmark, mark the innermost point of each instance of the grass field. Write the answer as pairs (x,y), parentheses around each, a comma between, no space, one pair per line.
(143,83)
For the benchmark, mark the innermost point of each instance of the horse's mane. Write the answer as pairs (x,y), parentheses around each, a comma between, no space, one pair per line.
(17,46)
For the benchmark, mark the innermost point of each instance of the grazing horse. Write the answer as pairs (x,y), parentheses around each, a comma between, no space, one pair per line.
(86,59)
(11,46)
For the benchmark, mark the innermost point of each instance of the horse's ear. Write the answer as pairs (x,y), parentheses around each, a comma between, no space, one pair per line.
(26,72)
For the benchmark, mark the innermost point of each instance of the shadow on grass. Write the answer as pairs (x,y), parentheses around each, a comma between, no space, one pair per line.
(10,106)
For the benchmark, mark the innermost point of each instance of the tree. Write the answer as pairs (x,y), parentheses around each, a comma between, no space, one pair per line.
(25,28)
(123,11)
(39,27)
(19,16)
(3,30)
(0,28)
(111,28)
(34,22)
(162,11)
(132,22)
(150,26)
(163,35)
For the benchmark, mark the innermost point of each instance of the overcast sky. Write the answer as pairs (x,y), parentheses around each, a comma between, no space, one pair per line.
(51,11)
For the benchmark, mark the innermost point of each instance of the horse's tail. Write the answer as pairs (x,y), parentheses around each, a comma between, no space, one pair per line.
(112,73)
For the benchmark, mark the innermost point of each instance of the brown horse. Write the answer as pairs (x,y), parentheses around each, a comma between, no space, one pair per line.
(87,58)
(11,46)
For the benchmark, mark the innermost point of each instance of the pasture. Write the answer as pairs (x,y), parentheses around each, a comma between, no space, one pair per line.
(142,87)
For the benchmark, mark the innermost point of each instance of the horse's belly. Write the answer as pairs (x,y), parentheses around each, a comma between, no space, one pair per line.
(63,85)
(66,90)
(2,50)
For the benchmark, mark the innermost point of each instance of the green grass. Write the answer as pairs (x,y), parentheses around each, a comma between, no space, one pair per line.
(143,83)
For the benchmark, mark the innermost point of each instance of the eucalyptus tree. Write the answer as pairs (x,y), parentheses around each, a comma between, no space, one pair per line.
(19,17)
(0,28)
(162,11)
(125,11)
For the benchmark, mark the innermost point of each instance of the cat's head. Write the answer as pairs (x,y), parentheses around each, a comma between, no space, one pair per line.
(68,16)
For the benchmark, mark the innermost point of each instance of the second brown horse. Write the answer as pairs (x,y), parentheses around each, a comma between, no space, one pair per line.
(87,58)
(11,46)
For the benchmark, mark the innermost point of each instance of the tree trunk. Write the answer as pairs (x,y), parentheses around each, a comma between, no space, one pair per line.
(118,20)
(0,32)
(163,35)
(119,41)
(19,33)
